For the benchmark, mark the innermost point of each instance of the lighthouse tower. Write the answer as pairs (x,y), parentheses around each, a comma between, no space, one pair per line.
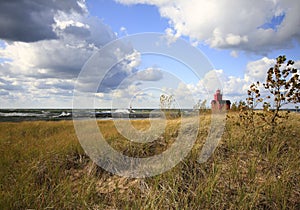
(218,95)
(218,103)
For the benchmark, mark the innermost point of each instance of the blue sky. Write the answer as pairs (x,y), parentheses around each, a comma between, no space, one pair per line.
(140,18)
(45,46)
(135,18)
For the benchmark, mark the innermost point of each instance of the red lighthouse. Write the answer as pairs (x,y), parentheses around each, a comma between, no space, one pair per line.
(218,103)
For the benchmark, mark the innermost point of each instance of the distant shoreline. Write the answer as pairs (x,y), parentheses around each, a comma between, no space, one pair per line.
(20,115)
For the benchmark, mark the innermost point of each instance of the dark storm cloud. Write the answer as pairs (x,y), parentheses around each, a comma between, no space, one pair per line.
(77,31)
(113,80)
(31,20)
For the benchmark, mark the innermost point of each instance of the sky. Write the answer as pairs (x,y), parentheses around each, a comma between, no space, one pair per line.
(52,50)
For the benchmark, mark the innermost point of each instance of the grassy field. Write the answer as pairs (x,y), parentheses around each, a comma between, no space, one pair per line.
(44,167)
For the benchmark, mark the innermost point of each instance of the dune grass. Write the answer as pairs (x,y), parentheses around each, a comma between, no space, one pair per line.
(43,166)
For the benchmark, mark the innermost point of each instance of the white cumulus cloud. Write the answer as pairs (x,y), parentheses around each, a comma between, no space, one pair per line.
(232,24)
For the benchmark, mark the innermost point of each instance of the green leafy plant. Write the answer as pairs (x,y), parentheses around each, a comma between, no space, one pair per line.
(167,103)
(234,107)
(200,106)
(282,86)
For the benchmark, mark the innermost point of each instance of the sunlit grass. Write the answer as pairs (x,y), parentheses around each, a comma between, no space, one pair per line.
(43,166)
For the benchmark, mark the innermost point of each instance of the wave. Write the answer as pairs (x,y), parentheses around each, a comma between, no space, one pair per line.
(21,114)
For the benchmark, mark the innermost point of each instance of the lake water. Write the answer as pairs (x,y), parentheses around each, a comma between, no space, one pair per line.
(17,115)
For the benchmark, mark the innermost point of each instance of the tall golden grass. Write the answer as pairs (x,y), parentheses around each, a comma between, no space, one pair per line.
(43,166)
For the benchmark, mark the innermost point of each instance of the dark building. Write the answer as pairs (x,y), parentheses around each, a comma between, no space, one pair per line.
(218,103)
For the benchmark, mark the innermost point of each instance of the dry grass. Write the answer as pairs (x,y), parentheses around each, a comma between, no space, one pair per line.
(43,166)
